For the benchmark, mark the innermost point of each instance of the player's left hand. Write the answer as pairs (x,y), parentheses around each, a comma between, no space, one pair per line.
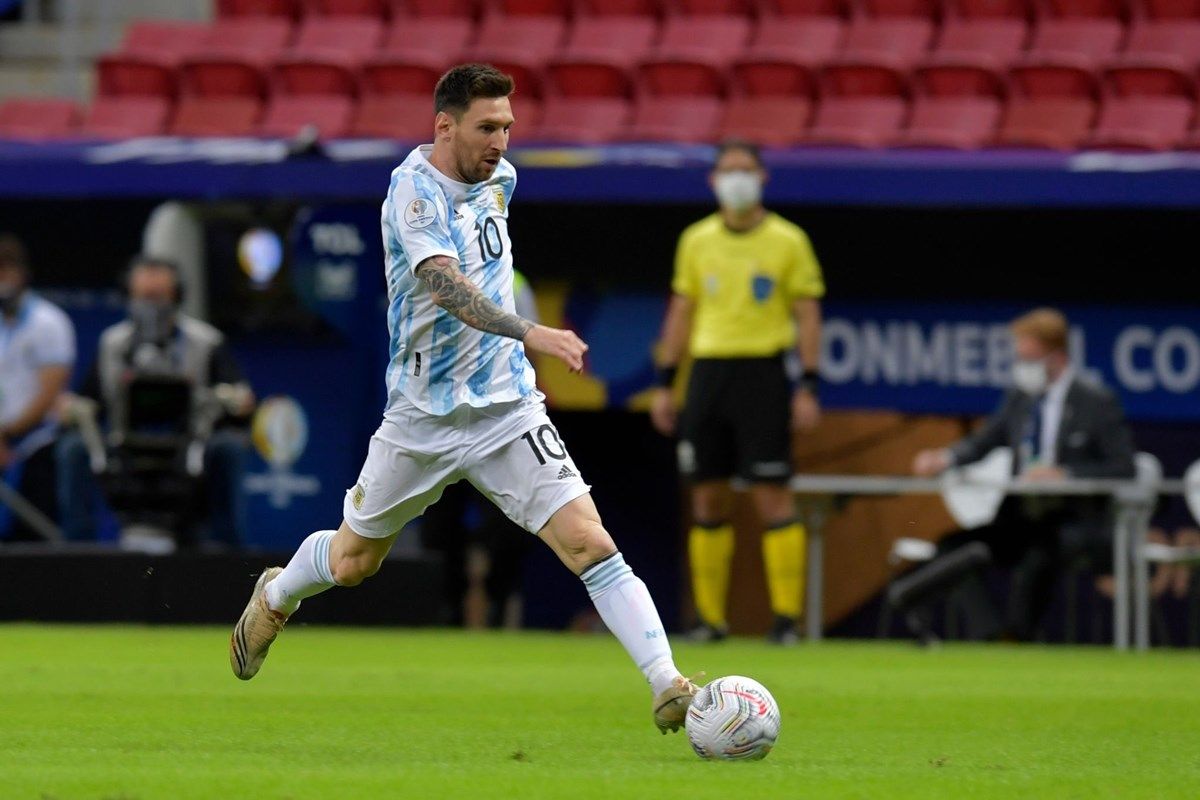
(561,344)
(1042,473)
(806,410)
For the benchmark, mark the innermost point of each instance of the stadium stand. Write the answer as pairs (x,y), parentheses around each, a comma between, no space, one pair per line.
(725,61)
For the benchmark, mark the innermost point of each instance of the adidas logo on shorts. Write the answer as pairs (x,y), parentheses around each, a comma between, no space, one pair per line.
(565,473)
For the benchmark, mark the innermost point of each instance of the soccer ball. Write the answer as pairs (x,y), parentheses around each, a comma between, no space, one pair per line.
(733,718)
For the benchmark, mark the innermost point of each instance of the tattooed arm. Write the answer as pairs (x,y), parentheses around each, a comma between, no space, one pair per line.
(454,292)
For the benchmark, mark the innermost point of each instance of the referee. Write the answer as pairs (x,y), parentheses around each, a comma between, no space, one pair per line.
(746,290)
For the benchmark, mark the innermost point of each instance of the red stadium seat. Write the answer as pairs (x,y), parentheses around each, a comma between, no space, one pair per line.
(972,57)
(527,116)
(1161,57)
(784,56)
(520,45)
(963,123)
(675,119)
(715,39)
(807,40)
(38,118)
(877,56)
(999,40)
(1094,39)
(1056,123)
(571,77)
(537,38)
(768,121)
(682,77)
(332,75)
(619,8)
(126,117)
(919,9)
(435,39)
(356,38)
(236,57)
(1065,55)
(466,9)
(1149,79)
(526,75)
(222,77)
(216,116)
(899,41)
(1085,9)
(807,8)
(405,117)
(761,77)
(287,115)
(1143,123)
(167,43)
(146,61)
(1171,9)
(619,40)
(399,77)
(377,9)
(991,9)
(134,75)
(258,39)
(691,58)
(585,120)
(534,8)
(259,8)
(867,122)
(713,7)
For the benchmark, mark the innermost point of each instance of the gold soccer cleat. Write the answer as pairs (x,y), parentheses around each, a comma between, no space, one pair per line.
(254,632)
(671,705)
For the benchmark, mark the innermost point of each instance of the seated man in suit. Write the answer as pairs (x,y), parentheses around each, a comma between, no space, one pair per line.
(1058,424)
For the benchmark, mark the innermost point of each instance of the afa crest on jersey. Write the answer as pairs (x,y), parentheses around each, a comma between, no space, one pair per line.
(499,193)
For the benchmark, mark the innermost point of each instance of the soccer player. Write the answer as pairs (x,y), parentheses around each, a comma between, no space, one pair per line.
(462,399)
(746,288)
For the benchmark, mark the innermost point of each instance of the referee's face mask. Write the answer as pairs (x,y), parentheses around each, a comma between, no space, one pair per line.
(737,180)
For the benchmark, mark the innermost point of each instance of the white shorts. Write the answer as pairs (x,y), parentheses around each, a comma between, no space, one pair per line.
(509,451)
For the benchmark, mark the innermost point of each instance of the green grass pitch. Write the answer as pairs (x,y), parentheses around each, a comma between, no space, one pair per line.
(137,713)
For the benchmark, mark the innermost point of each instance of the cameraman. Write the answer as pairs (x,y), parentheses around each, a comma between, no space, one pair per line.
(158,340)
(37,352)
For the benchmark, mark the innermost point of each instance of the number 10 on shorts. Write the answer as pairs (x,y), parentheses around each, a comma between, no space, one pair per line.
(544,441)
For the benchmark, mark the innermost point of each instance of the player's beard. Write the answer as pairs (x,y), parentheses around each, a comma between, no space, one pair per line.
(477,171)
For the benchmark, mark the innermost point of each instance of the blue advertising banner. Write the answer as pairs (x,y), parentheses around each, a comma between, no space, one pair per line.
(956,358)
(938,358)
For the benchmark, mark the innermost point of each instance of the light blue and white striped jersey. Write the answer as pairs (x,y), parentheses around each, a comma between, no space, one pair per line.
(438,362)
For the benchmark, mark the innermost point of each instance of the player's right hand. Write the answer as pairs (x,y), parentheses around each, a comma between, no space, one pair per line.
(563,345)
(931,462)
(662,411)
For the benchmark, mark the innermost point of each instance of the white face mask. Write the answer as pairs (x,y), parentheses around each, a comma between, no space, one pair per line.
(1030,377)
(738,190)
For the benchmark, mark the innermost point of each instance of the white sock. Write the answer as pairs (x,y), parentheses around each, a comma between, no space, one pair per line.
(626,608)
(308,573)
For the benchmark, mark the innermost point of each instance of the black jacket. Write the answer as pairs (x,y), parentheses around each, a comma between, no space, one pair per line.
(1094,441)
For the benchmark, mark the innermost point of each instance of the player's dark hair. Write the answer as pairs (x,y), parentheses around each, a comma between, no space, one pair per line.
(742,145)
(12,252)
(460,85)
(144,260)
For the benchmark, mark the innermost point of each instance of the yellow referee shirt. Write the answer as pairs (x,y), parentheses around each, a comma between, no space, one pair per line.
(743,285)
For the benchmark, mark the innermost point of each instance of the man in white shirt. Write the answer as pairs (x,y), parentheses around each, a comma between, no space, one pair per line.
(462,398)
(1058,424)
(37,353)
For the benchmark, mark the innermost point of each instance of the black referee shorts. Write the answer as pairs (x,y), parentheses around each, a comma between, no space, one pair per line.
(736,421)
